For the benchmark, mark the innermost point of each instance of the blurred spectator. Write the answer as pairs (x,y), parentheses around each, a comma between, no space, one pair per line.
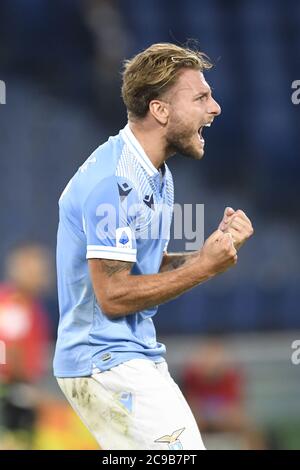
(24,331)
(214,388)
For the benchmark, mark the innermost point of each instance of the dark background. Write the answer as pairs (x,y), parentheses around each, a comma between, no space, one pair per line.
(61,61)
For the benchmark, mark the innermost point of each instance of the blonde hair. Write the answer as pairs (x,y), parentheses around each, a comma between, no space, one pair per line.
(153,71)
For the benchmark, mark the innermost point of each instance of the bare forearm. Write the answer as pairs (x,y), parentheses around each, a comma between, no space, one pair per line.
(172,261)
(140,292)
(121,293)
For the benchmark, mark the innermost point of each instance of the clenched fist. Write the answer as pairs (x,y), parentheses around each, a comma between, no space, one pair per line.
(238,225)
(218,252)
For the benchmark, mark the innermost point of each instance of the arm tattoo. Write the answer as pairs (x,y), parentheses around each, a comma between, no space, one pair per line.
(175,260)
(112,267)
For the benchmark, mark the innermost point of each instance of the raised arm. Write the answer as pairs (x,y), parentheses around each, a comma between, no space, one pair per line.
(120,293)
(234,222)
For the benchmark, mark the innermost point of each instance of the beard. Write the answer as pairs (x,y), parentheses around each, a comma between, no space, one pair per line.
(182,139)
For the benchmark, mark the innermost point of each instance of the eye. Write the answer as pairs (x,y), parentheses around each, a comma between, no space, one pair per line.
(201,98)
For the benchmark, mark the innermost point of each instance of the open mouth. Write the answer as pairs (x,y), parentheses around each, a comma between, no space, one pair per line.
(200,132)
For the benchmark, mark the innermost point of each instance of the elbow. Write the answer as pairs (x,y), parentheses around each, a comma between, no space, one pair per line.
(111,308)
(113,301)
(106,301)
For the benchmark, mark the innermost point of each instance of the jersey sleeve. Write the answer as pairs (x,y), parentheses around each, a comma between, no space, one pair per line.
(109,215)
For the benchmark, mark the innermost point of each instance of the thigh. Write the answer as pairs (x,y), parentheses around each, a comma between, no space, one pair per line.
(191,438)
(100,411)
(135,405)
(160,417)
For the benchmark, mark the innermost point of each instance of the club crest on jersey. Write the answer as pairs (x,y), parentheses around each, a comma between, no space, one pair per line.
(172,440)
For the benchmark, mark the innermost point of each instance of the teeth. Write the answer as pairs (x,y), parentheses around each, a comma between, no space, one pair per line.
(208,125)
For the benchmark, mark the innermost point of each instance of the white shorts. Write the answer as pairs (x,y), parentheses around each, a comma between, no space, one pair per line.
(136,405)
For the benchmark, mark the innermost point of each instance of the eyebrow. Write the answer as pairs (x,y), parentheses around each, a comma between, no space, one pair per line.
(203,93)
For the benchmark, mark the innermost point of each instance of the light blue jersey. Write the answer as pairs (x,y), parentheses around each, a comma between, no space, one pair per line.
(117,206)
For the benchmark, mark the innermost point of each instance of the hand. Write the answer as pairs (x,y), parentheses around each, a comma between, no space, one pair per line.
(238,225)
(218,252)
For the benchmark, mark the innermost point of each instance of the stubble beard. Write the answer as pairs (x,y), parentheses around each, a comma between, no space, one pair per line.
(181,139)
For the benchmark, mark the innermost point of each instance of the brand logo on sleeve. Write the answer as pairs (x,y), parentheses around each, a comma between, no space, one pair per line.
(123,237)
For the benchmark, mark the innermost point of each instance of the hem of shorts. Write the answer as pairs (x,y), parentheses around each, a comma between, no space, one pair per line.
(89,372)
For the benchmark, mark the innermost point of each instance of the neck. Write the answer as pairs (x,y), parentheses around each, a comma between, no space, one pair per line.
(152,140)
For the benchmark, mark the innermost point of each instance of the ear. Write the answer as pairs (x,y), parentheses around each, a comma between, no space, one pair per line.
(160,111)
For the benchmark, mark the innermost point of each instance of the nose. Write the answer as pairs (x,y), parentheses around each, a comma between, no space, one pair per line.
(214,108)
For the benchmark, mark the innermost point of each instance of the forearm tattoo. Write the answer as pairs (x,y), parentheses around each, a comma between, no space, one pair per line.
(176,260)
(112,267)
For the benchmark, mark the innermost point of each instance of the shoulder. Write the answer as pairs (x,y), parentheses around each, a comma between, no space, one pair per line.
(116,190)
(104,159)
(98,169)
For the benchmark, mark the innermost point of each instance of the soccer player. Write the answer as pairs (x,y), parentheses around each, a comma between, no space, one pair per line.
(113,265)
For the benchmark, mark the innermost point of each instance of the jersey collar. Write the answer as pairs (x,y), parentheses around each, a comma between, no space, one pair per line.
(138,151)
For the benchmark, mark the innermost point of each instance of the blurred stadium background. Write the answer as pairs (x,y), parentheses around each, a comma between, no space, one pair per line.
(229,341)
